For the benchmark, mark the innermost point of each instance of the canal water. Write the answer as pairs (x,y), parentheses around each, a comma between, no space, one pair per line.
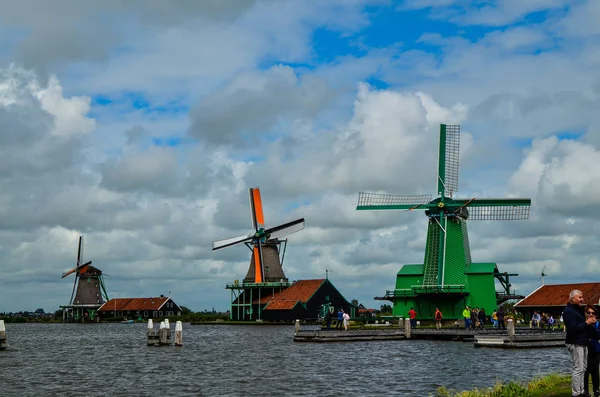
(225,360)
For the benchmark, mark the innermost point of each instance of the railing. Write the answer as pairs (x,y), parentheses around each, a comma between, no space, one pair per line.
(256,285)
(416,290)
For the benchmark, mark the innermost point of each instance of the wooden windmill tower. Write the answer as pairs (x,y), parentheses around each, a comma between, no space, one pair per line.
(265,275)
(448,279)
(88,292)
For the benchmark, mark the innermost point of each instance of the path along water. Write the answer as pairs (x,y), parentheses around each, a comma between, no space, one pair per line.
(223,360)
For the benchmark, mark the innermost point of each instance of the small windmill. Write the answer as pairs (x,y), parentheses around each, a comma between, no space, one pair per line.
(543,275)
(447,261)
(88,285)
(265,275)
(261,241)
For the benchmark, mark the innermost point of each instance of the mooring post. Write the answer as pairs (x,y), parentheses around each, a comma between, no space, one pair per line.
(400,323)
(510,329)
(3,343)
(178,333)
(297,326)
(407,329)
(152,336)
(162,334)
(168,327)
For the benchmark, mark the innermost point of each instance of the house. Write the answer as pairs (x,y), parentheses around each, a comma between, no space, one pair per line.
(304,299)
(552,299)
(365,312)
(159,307)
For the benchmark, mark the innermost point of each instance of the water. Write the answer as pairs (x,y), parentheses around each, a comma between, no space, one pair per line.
(224,360)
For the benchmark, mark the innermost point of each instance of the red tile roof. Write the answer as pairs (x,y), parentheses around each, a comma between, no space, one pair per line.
(133,304)
(301,291)
(281,305)
(558,295)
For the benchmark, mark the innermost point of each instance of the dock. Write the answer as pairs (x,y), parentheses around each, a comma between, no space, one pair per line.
(511,338)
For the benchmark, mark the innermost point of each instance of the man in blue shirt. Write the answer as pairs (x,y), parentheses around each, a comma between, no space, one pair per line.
(340,319)
(578,331)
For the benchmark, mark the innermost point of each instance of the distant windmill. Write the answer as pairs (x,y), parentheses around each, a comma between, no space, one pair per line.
(543,275)
(265,275)
(88,292)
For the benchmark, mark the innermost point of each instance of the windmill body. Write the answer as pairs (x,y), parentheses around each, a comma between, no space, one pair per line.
(88,292)
(447,278)
(265,276)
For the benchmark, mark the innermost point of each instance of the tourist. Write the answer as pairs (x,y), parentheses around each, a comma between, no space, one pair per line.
(593,358)
(329,316)
(535,320)
(438,318)
(467,317)
(474,318)
(495,319)
(481,316)
(346,317)
(412,314)
(577,339)
(551,322)
(340,319)
(500,314)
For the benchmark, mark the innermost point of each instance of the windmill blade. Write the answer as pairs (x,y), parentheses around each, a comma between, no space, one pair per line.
(258,263)
(256,210)
(378,201)
(65,274)
(497,209)
(73,292)
(448,159)
(231,241)
(79,269)
(285,229)
(80,251)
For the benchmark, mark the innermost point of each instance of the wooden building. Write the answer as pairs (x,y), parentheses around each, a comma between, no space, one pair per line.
(552,299)
(145,308)
(304,299)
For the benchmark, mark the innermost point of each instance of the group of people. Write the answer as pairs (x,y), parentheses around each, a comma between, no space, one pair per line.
(342,318)
(582,337)
(542,321)
(476,318)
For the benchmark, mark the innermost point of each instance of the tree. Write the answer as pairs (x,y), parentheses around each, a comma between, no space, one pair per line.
(355,302)
(386,309)
(185,310)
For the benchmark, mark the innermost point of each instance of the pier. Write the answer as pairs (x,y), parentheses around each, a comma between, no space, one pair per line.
(511,338)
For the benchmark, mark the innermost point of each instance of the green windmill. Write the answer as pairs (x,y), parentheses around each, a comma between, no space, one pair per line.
(448,279)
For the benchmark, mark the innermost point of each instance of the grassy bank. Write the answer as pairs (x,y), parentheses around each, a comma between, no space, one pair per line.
(545,386)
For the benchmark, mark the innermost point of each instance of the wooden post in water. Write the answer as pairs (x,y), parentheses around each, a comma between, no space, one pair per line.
(297,326)
(152,335)
(407,329)
(178,333)
(162,334)
(168,327)
(3,343)
(510,329)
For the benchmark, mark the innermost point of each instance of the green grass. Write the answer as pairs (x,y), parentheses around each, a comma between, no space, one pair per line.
(554,385)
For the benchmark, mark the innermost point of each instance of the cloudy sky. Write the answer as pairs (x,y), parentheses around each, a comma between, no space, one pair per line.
(141,125)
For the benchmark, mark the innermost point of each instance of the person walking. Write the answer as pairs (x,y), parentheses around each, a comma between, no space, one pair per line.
(412,314)
(340,319)
(346,319)
(500,314)
(467,317)
(577,339)
(438,318)
(482,318)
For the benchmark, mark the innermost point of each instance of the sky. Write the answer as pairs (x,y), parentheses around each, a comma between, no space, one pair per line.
(142,124)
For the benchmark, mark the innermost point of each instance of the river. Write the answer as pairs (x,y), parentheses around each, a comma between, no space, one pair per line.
(226,360)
